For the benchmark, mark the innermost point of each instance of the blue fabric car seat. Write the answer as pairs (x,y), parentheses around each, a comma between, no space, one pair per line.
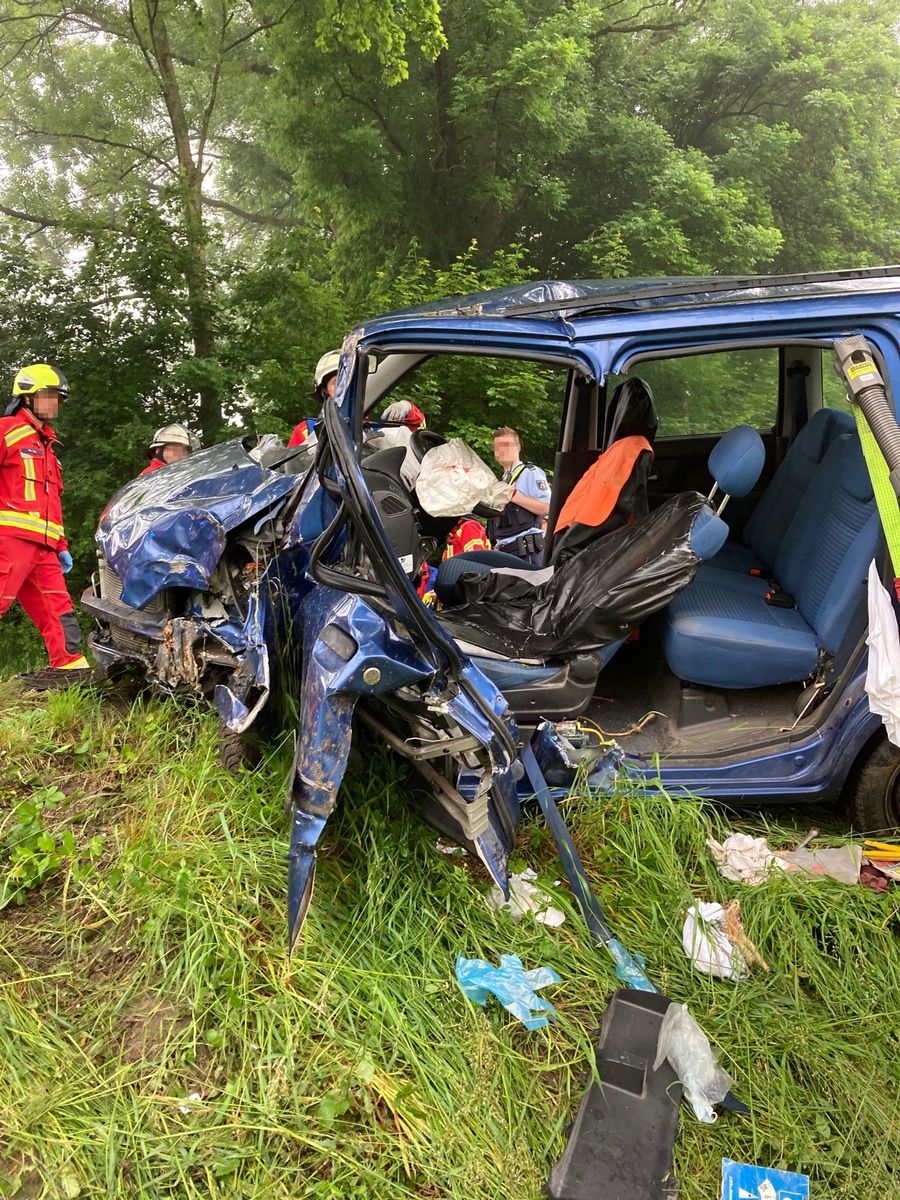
(765,531)
(721,632)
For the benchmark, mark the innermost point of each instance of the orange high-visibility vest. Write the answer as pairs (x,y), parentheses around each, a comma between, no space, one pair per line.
(596,493)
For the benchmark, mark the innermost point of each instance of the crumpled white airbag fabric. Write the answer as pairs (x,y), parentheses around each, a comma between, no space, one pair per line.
(453,481)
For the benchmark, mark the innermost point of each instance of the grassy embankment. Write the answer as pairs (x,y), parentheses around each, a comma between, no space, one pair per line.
(142,962)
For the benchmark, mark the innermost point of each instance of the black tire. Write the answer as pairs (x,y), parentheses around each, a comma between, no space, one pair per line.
(236,751)
(873,791)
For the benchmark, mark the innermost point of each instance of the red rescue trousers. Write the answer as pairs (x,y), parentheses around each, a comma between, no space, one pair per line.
(31,574)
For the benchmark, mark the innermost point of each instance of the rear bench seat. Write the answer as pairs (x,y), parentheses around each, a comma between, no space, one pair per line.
(720,632)
(769,523)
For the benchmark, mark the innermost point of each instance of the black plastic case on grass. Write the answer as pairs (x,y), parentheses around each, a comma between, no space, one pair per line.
(621,1143)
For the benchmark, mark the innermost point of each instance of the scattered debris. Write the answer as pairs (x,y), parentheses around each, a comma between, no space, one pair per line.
(741,1181)
(515,988)
(879,852)
(623,1136)
(750,860)
(744,859)
(715,942)
(524,897)
(684,1044)
(190,1104)
(883,669)
(838,862)
(735,931)
(708,946)
(450,849)
(874,878)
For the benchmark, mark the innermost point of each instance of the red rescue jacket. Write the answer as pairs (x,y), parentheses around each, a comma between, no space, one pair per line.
(30,481)
(469,534)
(155,464)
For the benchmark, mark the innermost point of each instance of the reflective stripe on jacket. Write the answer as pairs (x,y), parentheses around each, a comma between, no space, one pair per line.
(30,481)
(469,534)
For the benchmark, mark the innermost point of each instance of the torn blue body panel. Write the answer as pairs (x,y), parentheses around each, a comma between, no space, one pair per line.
(168,528)
(353,652)
(345,644)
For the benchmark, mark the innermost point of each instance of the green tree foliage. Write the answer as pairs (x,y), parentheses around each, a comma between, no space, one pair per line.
(115,347)
(108,104)
(203,197)
(531,126)
(798,102)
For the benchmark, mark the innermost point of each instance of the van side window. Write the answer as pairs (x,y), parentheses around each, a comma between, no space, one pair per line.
(834,392)
(711,393)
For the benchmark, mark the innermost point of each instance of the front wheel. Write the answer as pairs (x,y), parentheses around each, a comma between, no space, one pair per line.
(236,751)
(873,791)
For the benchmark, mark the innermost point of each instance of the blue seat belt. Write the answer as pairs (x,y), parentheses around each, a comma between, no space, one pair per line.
(629,970)
(629,967)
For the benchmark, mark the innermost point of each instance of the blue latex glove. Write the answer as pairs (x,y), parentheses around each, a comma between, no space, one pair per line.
(514,987)
(65,561)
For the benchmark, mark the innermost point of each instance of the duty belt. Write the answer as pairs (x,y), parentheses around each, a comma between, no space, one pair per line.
(525,545)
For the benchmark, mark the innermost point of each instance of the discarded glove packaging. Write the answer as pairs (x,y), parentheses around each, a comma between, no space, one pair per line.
(686,1047)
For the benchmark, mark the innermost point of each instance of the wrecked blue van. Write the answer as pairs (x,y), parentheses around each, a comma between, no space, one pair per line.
(712,640)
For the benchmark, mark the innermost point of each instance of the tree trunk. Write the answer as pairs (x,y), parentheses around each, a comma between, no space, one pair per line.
(200,303)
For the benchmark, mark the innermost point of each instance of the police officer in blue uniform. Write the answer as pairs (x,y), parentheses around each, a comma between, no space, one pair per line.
(519,528)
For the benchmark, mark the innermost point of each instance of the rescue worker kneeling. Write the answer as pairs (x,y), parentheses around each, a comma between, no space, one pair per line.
(34,554)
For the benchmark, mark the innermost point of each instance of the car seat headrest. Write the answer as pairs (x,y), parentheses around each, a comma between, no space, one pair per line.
(632,412)
(736,461)
(708,534)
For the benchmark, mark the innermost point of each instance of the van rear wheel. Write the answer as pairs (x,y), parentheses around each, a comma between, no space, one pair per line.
(873,791)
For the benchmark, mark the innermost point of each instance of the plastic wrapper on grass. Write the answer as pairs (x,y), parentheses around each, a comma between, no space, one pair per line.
(707,944)
(514,987)
(686,1046)
(524,898)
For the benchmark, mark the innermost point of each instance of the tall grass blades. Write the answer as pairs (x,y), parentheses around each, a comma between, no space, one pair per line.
(157,1042)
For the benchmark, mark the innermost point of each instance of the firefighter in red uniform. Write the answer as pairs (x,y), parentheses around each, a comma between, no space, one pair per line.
(34,554)
(324,383)
(467,534)
(170,444)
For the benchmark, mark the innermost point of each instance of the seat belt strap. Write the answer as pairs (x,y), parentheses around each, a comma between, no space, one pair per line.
(885,497)
(629,969)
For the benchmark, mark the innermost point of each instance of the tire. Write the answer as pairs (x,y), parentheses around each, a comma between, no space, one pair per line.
(873,791)
(235,751)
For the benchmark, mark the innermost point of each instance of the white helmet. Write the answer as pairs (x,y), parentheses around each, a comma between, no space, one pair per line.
(171,435)
(327,366)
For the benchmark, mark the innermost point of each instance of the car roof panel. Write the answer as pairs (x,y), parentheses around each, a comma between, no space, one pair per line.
(567,299)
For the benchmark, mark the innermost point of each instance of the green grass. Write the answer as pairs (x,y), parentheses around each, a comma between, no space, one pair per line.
(145,962)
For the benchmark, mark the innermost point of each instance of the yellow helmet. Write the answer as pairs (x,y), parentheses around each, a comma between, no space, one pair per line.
(37,377)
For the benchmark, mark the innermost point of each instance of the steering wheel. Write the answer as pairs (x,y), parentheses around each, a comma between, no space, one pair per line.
(424,440)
